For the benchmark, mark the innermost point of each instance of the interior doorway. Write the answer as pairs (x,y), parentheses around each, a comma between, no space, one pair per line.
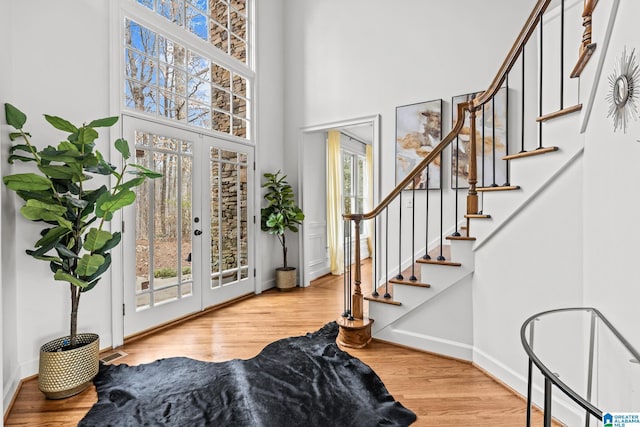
(355,135)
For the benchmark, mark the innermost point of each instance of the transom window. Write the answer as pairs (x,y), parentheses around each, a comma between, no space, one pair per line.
(165,78)
(223,23)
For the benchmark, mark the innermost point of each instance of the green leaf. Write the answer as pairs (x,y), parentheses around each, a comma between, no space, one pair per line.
(104,267)
(51,236)
(87,135)
(15,135)
(110,203)
(15,117)
(146,172)
(90,286)
(115,240)
(12,158)
(27,182)
(89,264)
(66,277)
(131,183)
(60,123)
(63,156)
(57,172)
(22,147)
(65,252)
(36,210)
(123,147)
(75,202)
(103,123)
(96,239)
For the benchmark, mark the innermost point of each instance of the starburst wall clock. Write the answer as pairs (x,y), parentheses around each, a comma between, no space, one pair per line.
(623,87)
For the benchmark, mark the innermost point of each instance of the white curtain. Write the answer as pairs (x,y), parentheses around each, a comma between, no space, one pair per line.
(334,204)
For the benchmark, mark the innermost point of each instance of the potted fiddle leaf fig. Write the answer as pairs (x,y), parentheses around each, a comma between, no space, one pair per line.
(279,216)
(72,213)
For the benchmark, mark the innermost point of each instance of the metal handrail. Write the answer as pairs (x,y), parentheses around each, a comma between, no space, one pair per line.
(551,377)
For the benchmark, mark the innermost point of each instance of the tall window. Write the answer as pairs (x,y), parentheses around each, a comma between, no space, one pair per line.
(353,182)
(223,23)
(181,78)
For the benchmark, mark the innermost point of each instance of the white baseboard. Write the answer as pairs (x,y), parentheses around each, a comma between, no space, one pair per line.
(10,388)
(426,343)
(563,409)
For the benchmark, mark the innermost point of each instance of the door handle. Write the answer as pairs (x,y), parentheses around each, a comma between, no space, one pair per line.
(197,232)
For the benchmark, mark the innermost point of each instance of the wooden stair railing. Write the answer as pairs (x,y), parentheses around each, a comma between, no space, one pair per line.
(355,328)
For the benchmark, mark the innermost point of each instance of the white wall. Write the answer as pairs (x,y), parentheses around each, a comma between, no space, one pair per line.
(611,232)
(270,137)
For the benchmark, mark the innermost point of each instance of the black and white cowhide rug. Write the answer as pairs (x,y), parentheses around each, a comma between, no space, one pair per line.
(299,381)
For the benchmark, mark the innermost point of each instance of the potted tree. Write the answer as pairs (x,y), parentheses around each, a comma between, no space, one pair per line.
(73,240)
(280,215)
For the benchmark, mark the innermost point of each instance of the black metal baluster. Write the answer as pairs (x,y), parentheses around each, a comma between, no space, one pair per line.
(506,134)
(349,265)
(482,147)
(399,276)
(345,274)
(493,138)
(540,87)
(386,240)
(441,257)
(523,91)
(426,225)
(413,231)
(375,258)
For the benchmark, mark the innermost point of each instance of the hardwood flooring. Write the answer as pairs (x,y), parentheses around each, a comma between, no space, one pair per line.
(441,391)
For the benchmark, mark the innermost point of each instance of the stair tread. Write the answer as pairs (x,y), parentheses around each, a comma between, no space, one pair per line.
(560,113)
(344,322)
(382,299)
(477,216)
(436,262)
(499,188)
(410,283)
(460,238)
(535,152)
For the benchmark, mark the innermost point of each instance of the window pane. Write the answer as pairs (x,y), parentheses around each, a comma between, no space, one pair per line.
(347,205)
(172,79)
(219,37)
(197,23)
(221,99)
(199,115)
(165,295)
(200,91)
(360,178)
(143,209)
(200,5)
(220,13)
(229,215)
(240,85)
(139,96)
(239,25)
(173,10)
(147,3)
(239,107)
(172,106)
(221,121)
(238,49)
(221,76)
(347,175)
(140,38)
(165,246)
(171,53)
(230,156)
(198,66)
(240,127)
(240,5)
(186,290)
(215,217)
(140,67)
(186,215)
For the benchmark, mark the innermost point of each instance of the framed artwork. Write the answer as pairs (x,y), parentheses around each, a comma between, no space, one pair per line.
(491,140)
(418,131)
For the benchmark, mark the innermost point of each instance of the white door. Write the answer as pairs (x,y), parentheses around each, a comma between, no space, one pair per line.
(188,236)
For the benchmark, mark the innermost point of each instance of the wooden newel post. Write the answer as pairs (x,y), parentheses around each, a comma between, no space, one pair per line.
(472,197)
(357,299)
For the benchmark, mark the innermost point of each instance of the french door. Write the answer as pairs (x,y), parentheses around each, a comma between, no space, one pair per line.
(189,236)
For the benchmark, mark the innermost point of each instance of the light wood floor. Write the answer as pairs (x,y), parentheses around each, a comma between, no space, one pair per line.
(441,391)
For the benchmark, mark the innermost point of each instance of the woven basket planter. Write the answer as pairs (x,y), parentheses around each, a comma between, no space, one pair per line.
(286,278)
(67,373)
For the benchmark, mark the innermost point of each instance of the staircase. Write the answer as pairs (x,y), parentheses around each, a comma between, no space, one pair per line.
(430,306)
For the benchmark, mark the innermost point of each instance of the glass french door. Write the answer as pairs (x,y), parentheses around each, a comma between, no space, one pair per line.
(189,236)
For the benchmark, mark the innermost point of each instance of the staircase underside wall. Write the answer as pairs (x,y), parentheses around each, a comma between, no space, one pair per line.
(534,263)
